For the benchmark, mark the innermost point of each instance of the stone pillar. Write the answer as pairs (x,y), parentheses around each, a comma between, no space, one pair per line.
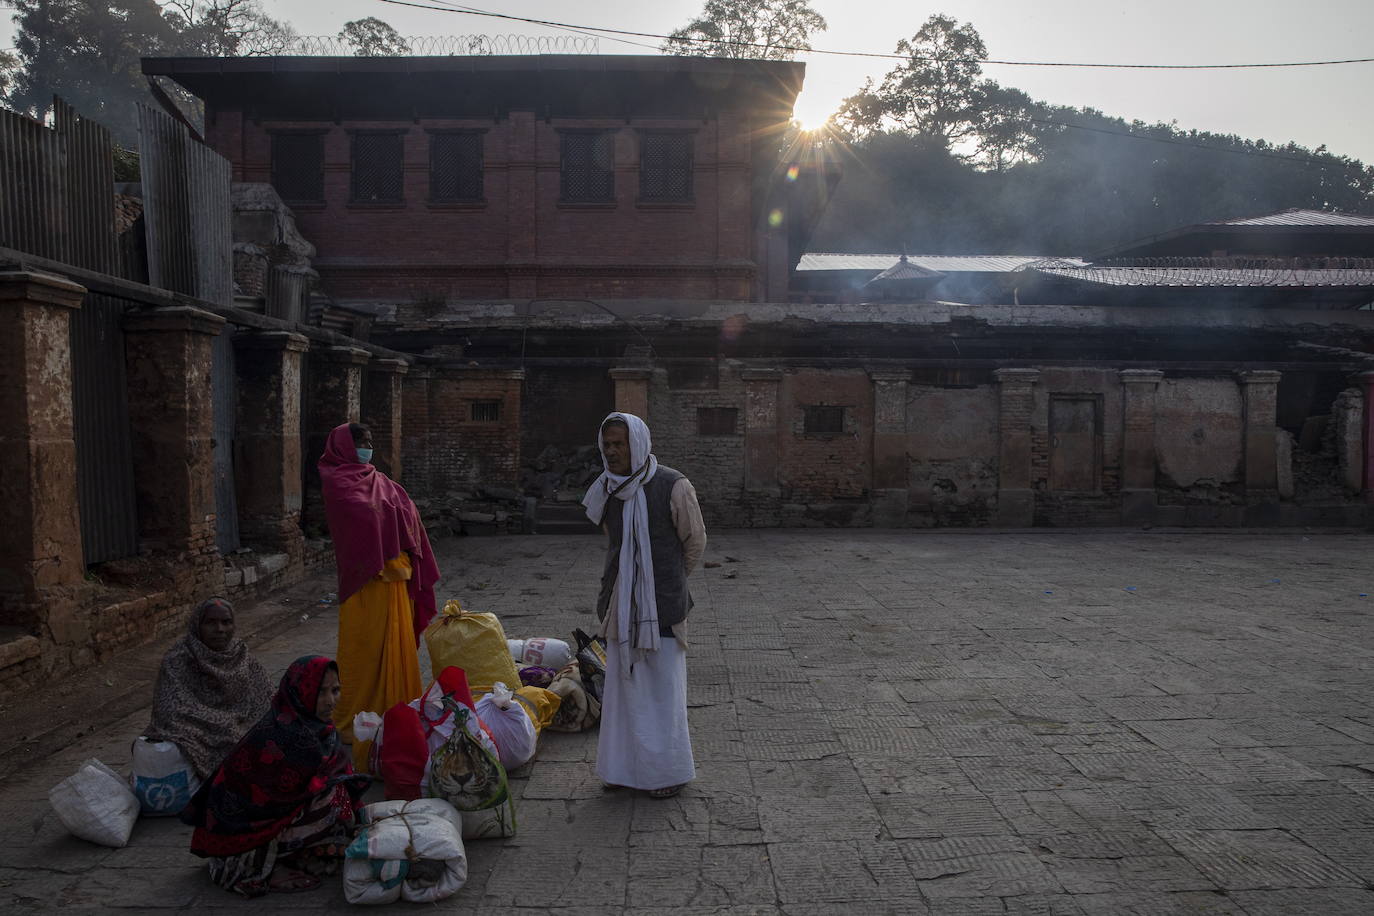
(415,435)
(1016,403)
(1138,463)
(336,386)
(172,415)
(41,565)
(891,491)
(382,413)
(1347,413)
(1366,380)
(761,387)
(267,440)
(1259,395)
(632,390)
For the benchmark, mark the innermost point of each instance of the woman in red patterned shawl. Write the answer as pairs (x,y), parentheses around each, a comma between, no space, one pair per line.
(386,580)
(280,809)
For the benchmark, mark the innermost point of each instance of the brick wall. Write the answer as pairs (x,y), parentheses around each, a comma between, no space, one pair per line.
(1199,438)
(464,451)
(520,241)
(952,455)
(714,463)
(831,473)
(1078,508)
(562,407)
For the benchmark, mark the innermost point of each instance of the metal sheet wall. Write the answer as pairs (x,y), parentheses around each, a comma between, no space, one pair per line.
(186,210)
(32,209)
(224,394)
(88,181)
(57,202)
(104,449)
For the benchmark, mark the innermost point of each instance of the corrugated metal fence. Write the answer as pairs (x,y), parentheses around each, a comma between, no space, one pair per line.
(57,202)
(186,210)
(189,228)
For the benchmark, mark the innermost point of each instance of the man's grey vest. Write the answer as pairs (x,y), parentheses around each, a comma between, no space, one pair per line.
(670,568)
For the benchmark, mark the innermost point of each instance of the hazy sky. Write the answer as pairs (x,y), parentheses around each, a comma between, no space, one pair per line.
(1316,105)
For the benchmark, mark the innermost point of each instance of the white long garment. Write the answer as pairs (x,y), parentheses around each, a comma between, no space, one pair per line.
(645,742)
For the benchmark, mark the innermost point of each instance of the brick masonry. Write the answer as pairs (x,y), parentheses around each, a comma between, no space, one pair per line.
(520,240)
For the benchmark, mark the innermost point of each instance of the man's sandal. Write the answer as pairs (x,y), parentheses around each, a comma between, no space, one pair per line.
(666,791)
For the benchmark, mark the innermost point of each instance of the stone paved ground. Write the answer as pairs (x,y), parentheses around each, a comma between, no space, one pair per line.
(891,722)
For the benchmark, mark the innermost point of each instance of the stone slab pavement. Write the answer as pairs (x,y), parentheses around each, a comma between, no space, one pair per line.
(1086,722)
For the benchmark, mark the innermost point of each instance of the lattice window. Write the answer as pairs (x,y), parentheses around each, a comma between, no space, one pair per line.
(822,420)
(377,174)
(298,166)
(717,421)
(455,166)
(588,167)
(665,166)
(486,411)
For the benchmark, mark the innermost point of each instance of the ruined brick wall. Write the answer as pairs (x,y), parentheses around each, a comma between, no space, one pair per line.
(562,407)
(830,474)
(465,451)
(1078,506)
(1199,441)
(417,470)
(713,462)
(952,455)
(521,240)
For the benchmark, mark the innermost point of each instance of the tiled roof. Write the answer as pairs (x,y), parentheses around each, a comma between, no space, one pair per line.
(1254,276)
(941,263)
(1299,217)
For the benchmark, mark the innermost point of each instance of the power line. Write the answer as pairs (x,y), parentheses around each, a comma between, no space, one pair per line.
(470,11)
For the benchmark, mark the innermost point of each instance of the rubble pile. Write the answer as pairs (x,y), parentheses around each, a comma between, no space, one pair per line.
(561,475)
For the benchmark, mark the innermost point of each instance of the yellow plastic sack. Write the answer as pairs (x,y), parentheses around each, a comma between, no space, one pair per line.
(541,704)
(474,642)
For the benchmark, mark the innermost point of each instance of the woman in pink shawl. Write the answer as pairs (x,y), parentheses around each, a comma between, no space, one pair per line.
(386,580)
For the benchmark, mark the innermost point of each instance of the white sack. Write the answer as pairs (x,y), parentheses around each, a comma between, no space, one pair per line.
(515,735)
(96,805)
(378,865)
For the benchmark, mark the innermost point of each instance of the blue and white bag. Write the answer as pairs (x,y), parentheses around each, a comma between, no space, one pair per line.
(162,779)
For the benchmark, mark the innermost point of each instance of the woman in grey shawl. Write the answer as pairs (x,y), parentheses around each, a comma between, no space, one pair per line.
(209,690)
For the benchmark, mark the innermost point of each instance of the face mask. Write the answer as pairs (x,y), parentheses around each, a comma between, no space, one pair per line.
(364,455)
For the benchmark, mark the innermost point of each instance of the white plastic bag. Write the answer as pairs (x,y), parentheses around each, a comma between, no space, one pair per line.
(543,651)
(96,805)
(510,726)
(406,850)
(163,780)
(365,726)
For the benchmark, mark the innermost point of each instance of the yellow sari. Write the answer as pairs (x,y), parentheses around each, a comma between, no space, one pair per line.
(378,664)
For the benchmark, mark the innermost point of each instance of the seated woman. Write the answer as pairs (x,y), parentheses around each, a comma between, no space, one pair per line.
(209,690)
(278,812)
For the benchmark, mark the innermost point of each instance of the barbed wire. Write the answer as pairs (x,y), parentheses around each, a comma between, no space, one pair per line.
(459,10)
(450,45)
(1212,271)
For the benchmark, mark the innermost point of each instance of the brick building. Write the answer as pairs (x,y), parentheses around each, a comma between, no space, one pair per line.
(427,180)
(553,237)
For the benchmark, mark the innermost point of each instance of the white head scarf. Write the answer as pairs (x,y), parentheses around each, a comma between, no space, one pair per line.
(634,604)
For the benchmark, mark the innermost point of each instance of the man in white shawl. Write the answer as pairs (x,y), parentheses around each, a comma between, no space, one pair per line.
(656,538)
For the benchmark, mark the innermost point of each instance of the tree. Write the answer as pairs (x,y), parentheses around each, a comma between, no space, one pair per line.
(371,37)
(9,63)
(227,28)
(763,29)
(88,52)
(935,93)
